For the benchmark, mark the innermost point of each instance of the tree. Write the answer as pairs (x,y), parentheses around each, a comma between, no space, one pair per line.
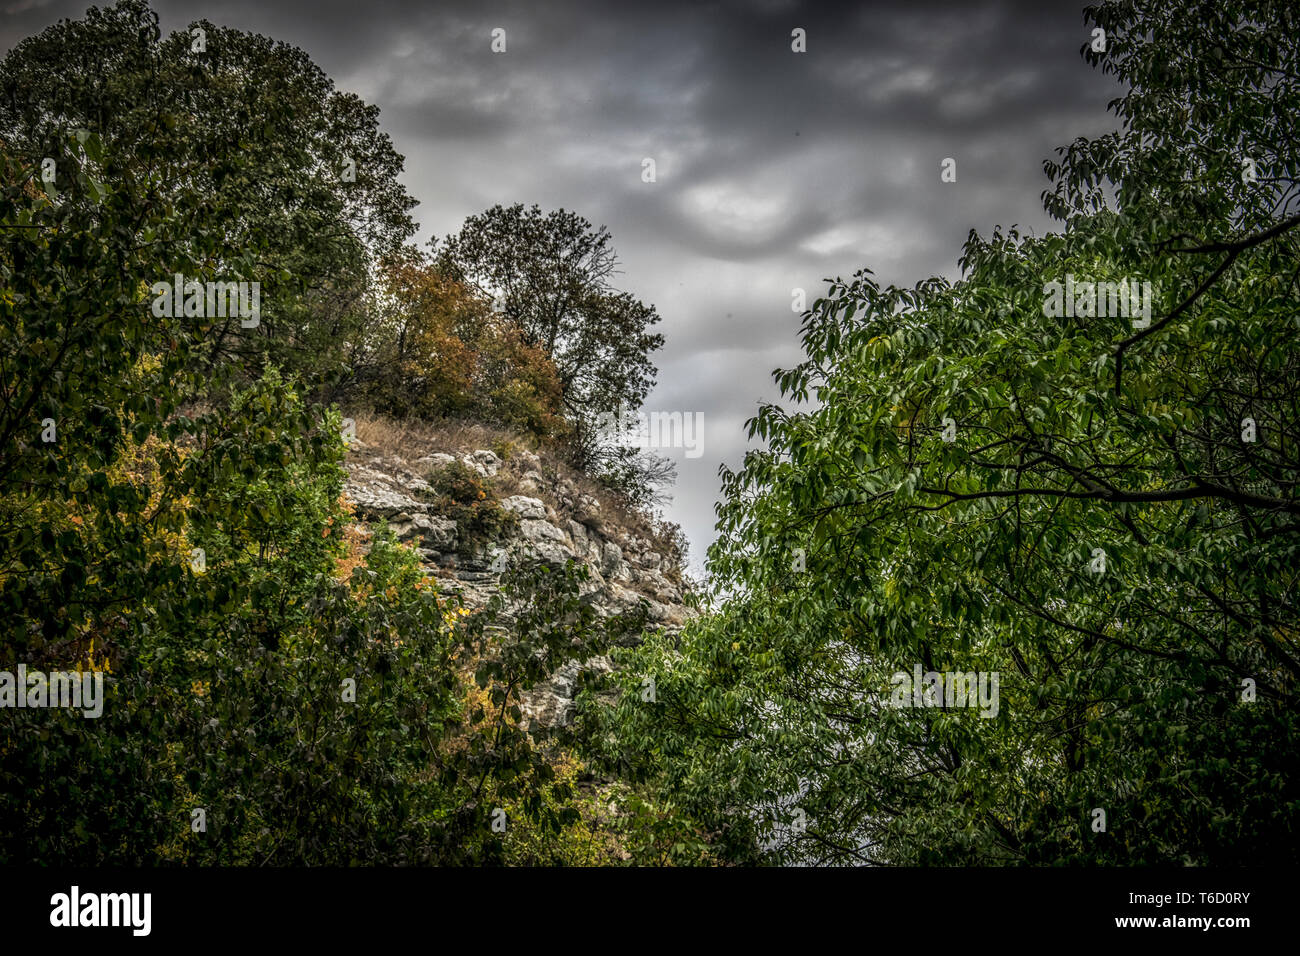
(247,138)
(435,348)
(305,696)
(1099,509)
(550,276)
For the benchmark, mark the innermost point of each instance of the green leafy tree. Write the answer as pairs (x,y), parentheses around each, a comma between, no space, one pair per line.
(272,693)
(551,276)
(1100,509)
(249,142)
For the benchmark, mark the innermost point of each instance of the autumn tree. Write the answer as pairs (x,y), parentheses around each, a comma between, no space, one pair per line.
(435,348)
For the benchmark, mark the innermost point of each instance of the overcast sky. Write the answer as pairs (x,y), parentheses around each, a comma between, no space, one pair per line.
(775,169)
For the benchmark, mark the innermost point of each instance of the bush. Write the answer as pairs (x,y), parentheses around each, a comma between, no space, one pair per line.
(463,496)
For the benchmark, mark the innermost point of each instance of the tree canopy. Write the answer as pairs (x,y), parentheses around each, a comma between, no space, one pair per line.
(250,143)
(551,276)
(1069,476)
(278,689)
(1097,508)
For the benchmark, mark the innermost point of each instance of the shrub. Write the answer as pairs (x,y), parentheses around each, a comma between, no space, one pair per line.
(464,497)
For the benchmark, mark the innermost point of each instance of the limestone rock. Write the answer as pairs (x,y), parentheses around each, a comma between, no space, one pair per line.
(532,481)
(611,557)
(524,507)
(581,541)
(552,703)
(560,524)
(545,542)
(436,461)
(376,498)
(431,531)
(587,510)
(485,463)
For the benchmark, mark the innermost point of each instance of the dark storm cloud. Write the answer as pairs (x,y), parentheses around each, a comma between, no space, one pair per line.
(775,170)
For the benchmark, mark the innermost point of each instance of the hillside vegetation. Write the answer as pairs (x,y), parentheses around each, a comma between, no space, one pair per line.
(284,684)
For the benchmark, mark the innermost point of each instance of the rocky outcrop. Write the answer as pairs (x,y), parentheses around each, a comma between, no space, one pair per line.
(556,522)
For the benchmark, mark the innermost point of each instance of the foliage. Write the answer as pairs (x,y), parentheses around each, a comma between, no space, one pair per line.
(435,350)
(533,625)
(585,836)
(639,478)
(462,496)
(201,560)
(963,458)
(551,276)
(248,141)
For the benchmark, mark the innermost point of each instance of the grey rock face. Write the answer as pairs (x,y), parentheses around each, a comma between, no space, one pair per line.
(529,460)
(611,557)
(524,507)
(545,542)
(623,571)
(532,481)
(436,461)
(552,702)
(429,531)
(484,462)
(377,495)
